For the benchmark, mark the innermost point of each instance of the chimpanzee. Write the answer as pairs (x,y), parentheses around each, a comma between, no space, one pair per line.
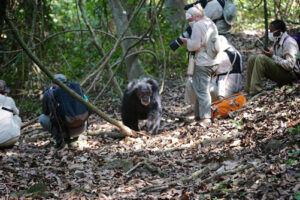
(141,101)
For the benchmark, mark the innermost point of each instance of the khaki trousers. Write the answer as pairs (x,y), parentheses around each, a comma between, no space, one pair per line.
(201,85)
(260,66)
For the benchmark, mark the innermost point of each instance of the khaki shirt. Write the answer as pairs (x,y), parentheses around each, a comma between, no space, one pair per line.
(285,53)
(198,41)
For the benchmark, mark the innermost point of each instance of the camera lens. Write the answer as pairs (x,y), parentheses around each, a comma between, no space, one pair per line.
(175,44)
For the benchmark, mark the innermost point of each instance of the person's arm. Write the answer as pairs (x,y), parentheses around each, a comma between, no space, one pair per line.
(197,39)
(46,101)
(290,49)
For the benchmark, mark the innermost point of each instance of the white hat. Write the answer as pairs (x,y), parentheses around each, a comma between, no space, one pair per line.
(229,12)
(194,11)
(60,77)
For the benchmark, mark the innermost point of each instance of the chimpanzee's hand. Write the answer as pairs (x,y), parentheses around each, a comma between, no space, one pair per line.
(268,53)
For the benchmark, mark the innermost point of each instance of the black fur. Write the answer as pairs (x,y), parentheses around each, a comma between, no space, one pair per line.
(133,110)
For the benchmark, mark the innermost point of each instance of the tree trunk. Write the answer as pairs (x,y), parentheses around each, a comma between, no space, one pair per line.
(176,12)
(266,23)
(133,65)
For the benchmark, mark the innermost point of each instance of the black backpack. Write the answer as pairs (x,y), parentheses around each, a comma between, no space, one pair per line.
(71,111)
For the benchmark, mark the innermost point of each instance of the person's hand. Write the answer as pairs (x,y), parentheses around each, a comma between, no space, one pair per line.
(184,40)
(268,53)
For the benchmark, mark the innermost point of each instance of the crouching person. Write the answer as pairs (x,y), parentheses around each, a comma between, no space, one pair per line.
(63,116)
(10,122)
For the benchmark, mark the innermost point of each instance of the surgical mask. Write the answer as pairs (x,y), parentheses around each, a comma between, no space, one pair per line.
(192,24)
(272,37)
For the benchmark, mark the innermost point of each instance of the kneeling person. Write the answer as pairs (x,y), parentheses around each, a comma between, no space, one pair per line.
(63,116)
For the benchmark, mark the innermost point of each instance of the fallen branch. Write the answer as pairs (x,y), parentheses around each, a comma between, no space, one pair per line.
(225,138)
(148,166)
(29,123)
(152,188)
(31,130)
(114,135)
(197,174)
(134,167)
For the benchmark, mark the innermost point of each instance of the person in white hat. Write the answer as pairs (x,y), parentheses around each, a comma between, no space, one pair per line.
(205,65)
(10,122)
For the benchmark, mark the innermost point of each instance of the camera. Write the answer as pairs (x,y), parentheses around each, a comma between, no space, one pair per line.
(178,42)
(188,32)
(202,2)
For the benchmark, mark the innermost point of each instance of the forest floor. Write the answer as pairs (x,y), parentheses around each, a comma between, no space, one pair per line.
(254,153)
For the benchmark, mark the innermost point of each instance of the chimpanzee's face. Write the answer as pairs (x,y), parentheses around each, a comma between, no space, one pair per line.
(144,93)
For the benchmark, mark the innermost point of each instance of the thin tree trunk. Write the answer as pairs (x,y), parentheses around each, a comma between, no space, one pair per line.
(93,108)
(275,11)
(175,12)
(266,23)
(99,48)
(134,68)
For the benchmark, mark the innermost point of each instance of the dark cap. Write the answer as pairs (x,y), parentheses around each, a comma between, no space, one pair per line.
(60,77)
(3,87)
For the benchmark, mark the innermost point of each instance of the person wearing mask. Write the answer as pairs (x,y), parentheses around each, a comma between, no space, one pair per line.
(202,29)
(278,64)
(10,122)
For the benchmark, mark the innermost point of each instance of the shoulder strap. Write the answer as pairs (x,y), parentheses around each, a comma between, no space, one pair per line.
(288,36)
(7,109)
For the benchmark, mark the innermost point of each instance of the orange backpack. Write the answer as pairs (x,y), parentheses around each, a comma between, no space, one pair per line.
(223,106)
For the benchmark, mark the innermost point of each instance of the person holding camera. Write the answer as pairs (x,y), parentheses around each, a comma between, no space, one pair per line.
(278,64)
(205,64)
(221,12)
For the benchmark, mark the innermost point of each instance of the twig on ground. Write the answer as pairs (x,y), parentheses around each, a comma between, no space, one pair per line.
(29,123)
(197,174)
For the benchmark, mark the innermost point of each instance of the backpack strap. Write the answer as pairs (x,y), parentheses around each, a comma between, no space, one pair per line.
(288,36)
(7,109)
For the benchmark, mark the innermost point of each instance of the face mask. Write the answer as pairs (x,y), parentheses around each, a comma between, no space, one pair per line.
(272,37)
(191,24)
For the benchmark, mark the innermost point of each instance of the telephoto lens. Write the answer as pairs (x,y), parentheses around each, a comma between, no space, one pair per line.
(176,44)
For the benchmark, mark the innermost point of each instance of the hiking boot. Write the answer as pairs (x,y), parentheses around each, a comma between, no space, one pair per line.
(59,144)
(205,122)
